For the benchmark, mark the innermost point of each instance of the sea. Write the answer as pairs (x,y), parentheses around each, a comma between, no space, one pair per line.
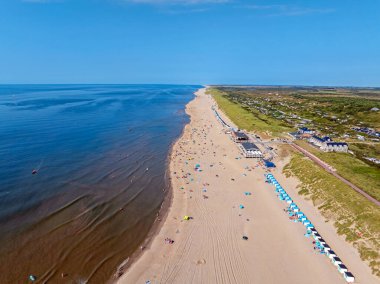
(83,174)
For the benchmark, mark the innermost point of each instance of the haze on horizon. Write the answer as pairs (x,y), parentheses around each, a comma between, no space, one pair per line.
(190,41)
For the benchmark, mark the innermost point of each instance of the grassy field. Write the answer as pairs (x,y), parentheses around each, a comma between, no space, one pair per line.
(351,168)
(246,118)
(331,111)
(354,216)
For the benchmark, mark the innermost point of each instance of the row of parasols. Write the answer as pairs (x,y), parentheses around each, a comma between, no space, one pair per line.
(320,245)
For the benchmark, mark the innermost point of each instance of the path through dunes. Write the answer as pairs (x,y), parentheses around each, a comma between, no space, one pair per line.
(209,248)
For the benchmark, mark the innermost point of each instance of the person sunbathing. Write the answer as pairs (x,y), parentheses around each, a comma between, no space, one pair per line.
(169,241)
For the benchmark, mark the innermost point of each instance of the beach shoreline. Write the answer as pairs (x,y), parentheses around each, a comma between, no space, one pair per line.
(208,248)
(161,217)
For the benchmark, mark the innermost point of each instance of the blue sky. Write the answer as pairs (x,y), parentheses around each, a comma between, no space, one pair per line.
(303,42)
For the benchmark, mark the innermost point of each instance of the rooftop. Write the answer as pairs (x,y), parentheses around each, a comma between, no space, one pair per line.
(248,146)
(240,135)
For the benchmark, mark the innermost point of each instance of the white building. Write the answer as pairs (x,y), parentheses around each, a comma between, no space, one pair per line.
(335,147)
(318,141)
(250,150)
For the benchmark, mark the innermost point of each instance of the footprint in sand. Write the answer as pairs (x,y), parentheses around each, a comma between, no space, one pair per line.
(201,261)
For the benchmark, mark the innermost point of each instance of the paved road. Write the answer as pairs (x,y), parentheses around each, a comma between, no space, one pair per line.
(329,169)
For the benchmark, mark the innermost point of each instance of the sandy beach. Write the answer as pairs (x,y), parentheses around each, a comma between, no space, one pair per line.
(209,247)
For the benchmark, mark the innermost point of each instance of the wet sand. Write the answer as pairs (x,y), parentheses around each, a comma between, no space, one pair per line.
(209,247)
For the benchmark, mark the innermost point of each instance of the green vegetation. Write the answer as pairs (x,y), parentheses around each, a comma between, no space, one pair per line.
(363,150)
(332,111)
(277,110)
(356,171)
(247,118)
(354,216)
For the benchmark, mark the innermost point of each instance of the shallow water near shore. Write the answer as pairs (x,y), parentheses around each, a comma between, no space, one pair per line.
(99,157)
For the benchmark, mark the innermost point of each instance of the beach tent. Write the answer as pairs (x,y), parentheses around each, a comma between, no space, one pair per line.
(336,260)
(309,226)
(331,254)
(348,277)
(342,268)
(312,230)
(269,164)
(326,248)
(317,236)
(289,201)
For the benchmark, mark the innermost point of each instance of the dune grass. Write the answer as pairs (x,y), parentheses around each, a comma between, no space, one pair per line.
(245,118)
(351,168)
(353,215)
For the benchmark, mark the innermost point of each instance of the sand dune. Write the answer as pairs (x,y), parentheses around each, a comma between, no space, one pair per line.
(209,248)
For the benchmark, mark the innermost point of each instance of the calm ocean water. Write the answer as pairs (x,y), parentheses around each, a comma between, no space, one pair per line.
(99,156)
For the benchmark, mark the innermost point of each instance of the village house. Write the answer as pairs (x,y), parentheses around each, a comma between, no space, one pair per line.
(318,141)
(305,130)
(335,147)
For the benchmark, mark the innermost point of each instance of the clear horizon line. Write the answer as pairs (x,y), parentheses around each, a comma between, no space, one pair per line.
(204,85)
